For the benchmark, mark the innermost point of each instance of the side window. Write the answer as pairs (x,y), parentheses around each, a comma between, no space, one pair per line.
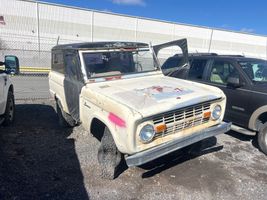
(57,62)
(72,66)
(221,70)
(197,69)
(172,62)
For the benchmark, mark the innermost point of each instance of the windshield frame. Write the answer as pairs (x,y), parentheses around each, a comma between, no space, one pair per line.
(87,76)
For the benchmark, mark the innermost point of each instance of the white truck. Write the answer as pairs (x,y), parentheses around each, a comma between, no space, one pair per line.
(7,105)
(117,91)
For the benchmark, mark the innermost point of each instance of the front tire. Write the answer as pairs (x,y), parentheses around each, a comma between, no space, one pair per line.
(262,138)
(108,156)
(10,110)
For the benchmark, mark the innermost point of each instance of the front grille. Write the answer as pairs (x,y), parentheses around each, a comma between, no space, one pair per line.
(181,119)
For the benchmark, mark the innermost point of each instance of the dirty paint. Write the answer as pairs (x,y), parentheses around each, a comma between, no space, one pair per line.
(116,120)
(128,76)
(163,92)
(104,86)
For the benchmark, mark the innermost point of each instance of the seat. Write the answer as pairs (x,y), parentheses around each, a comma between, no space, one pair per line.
(217,74)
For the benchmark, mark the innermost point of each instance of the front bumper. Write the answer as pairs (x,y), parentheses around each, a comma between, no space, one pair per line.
(166,148)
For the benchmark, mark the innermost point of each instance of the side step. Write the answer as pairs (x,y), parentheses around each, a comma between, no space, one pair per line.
(243,130)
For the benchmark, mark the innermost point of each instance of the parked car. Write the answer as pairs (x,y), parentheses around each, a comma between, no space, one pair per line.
(244,82)
(7,104)
(117,91)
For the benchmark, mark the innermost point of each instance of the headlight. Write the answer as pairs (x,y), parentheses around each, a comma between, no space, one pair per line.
(147,133)
(216,113)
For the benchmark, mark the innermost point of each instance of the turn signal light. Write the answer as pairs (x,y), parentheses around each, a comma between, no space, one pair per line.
(160,128)
(207,115)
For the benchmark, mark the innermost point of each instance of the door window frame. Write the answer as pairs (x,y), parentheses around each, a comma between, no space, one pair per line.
(242,77)
(204,71)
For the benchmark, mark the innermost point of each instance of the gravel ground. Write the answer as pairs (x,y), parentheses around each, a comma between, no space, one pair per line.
(40,160)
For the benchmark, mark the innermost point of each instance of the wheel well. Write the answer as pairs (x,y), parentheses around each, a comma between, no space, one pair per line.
(97,128)
(11,89)
(263,118)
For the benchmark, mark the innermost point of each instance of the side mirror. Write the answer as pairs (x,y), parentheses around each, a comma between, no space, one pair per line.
(2,68)
(233,82)
(12,65)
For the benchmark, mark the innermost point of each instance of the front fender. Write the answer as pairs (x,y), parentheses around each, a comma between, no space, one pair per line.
(119,134)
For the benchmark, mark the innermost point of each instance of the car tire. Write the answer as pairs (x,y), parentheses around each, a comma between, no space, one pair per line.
(64,119)
(262,138)
(108,156)
(9,115)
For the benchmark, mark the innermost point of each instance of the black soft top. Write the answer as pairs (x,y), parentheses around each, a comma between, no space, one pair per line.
(99,45)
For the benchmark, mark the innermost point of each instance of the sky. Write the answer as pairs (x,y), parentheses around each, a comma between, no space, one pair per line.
(238,15)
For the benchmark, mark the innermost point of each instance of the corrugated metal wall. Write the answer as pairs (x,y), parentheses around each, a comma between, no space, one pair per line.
(31,29)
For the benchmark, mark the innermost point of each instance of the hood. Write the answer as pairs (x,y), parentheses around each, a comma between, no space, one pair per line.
(155,94)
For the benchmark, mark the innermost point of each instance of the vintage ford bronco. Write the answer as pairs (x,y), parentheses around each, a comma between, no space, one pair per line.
(118,92)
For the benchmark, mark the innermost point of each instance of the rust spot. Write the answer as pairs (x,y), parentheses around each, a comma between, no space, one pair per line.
(112,78)
(157,88)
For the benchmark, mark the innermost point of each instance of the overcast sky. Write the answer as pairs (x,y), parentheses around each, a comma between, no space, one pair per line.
(238,15)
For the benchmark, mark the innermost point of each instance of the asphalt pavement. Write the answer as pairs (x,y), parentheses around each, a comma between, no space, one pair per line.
(40,160)
(31,87)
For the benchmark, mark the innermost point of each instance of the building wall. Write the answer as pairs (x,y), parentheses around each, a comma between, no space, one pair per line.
(31,29)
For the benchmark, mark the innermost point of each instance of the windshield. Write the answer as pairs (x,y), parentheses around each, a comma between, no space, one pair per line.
(256,70)
(119,62)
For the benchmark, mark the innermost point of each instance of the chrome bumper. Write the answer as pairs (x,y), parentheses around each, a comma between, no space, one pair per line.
(166,148)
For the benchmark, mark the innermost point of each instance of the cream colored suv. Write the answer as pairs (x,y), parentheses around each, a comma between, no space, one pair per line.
(117,91)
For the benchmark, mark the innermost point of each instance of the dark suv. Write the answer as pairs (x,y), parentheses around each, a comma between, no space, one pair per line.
(244,82)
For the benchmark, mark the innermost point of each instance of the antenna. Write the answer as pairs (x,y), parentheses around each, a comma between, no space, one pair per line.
(58,39)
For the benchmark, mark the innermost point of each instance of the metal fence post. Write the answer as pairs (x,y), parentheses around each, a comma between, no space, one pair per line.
(92,26)
(211,38)
(136,29)
(38,28)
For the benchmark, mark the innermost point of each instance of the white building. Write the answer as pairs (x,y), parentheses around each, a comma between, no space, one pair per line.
(30,29)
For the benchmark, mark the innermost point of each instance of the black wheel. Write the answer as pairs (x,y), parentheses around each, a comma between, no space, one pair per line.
(10,110)
(262,138)
(108,156)
(64,119)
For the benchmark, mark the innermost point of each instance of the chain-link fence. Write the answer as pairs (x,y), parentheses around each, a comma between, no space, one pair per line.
(34,53)
(29,30)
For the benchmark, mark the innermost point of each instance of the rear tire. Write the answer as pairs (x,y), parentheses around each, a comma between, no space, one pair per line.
(64,119)
(108,156)
(10,110)
(262,138)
